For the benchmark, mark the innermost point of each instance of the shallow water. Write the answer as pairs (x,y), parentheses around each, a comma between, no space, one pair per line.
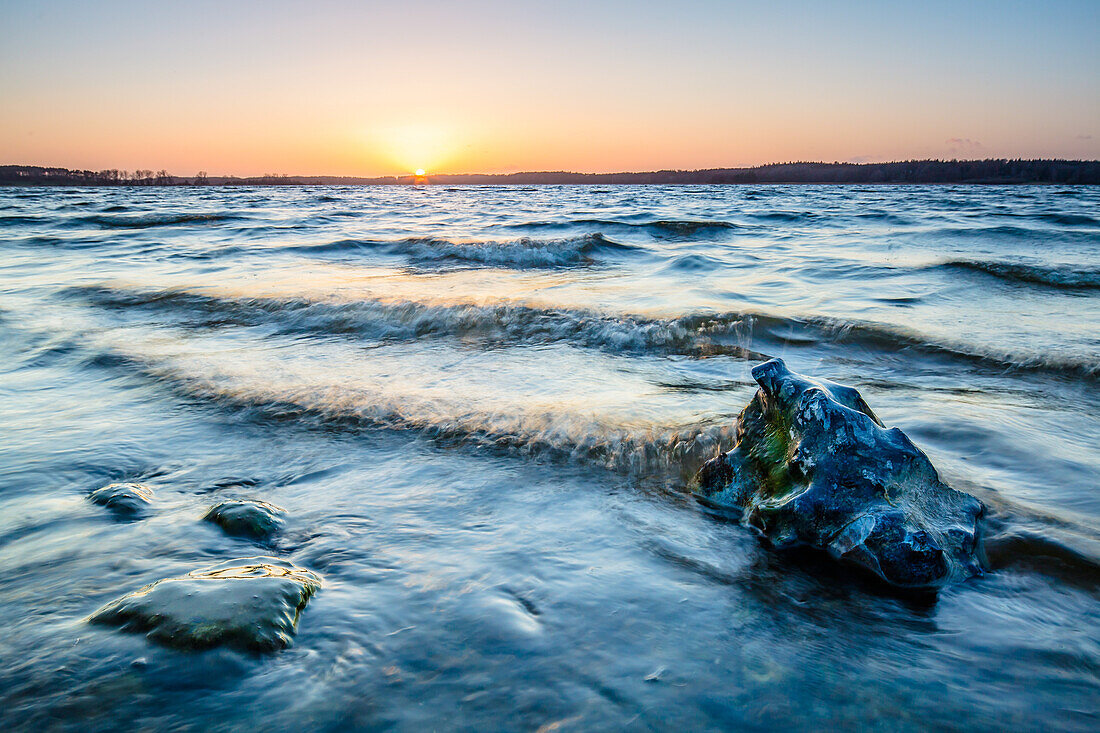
(480,407)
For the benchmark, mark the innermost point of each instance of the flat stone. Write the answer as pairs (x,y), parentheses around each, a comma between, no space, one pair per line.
(246,517)
(251,604)
(813,466)
(127,499)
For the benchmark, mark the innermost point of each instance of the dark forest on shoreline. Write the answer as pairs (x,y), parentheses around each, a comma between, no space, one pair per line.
(989,171)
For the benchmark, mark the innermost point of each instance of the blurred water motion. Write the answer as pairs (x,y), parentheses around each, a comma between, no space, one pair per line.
(480,407)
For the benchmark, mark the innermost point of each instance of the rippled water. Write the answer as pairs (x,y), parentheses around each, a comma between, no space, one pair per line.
(480,407)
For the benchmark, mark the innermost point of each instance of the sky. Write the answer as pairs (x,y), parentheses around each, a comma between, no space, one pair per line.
(383,88)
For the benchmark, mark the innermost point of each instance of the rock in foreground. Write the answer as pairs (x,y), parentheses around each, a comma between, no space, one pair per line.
(246,517)
(128,499)
(250,604)
(813,466)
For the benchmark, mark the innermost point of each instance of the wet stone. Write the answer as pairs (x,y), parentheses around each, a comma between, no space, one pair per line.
(813,466)
(246,517)
(251,604)
(125,499)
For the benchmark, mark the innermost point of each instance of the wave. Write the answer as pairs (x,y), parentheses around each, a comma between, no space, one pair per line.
(690,228)
(734,334)
(1070,220)
(1026,538)
(42,241)
(694,263)
(660,228)
(884,217)
(16,219)
(1068,278)
(1015,232)
(1053,552)
(791,217)
(1002,230)
(518,253)
(542,434)
(501,323)
(150,221)
(817,331)
(300,396)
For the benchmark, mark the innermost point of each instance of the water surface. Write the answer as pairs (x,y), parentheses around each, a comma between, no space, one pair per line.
(481,406)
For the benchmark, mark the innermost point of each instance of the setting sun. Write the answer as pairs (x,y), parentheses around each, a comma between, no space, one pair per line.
(599,424)
(416,146)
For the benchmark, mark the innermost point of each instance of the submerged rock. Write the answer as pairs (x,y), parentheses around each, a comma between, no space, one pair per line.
(246,517)
(127,499)
(813,466)
(250,604)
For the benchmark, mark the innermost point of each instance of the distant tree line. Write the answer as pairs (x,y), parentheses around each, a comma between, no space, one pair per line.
(33,175)
(993,170)
(1000,171)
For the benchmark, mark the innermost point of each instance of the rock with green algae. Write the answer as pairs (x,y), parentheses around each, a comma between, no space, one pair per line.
(813,466)
(251,604)
(246,517)
(126,498)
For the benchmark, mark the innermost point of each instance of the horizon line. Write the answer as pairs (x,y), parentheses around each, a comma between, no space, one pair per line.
(566,172)
(928,171)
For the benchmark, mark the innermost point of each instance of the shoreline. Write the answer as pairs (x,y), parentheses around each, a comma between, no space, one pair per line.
(990,172)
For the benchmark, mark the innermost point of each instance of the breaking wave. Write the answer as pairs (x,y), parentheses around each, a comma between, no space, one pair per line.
(546,435)
(543,434)
(824,331)
(404,320)
(741,335)
(518,253)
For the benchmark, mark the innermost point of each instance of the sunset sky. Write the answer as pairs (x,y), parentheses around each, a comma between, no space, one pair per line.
(380,88)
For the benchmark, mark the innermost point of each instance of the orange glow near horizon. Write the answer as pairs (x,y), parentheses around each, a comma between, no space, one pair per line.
(417,146)
(498,87)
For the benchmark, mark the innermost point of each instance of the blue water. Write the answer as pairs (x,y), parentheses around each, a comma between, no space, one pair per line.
(481,406)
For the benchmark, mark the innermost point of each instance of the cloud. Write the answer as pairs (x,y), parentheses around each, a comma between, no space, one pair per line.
(963,145)
(1084,137)
(862,159)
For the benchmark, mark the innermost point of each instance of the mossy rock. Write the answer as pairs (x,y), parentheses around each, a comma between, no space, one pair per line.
(813,466)
(246,518)
(125,499)
(251,604)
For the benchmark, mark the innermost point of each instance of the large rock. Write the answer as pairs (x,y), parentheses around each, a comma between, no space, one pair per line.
(813,466)
(250,604)
(125,499)
(251,518)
